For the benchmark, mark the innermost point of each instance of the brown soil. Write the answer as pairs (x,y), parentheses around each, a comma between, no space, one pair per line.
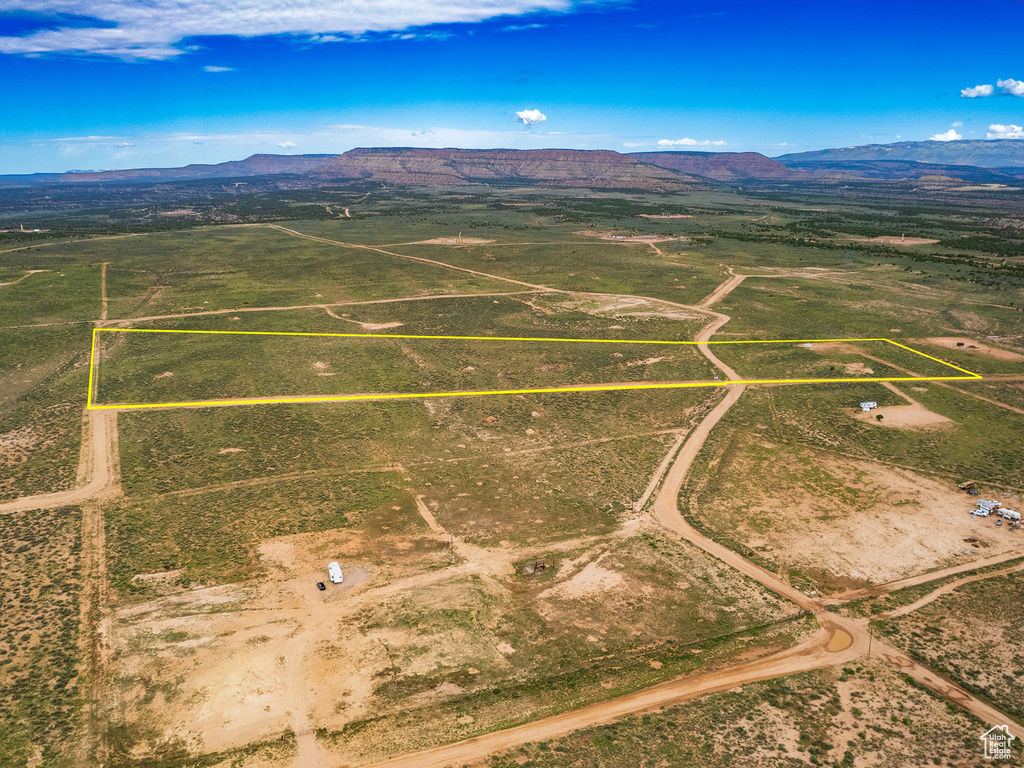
(974,347)
(913,417)
(454,241)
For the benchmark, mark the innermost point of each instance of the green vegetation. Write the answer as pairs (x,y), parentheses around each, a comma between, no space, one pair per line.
(43,375)
(41,691)
(971,635)
(213,536)
(863,713)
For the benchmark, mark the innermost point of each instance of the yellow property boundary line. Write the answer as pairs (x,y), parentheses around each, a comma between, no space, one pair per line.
(420,395)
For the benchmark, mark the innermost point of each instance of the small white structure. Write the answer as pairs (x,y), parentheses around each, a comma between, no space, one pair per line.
(1009,514)
(335,573)
(988,506)
(806,346)
(867,405)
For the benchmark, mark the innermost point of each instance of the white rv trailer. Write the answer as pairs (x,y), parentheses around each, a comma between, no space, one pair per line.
(334,570)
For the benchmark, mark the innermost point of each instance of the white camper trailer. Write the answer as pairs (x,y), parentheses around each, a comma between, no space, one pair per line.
(334,570)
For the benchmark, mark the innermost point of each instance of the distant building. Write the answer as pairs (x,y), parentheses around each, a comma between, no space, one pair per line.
(867,405)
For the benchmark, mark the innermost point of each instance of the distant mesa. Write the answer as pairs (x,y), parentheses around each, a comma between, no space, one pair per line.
(984,162)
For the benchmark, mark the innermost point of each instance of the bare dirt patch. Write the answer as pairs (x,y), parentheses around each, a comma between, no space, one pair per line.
(843,521)
(666,216)
(380,326)
(913,417)
(858,369)
(896,240)
(975,348)
(648,361)
(223,451)
(620,238)
(454,241)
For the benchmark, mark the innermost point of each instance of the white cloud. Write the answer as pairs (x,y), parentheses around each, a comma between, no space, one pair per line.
(530,117)
(1011,87)
(996,131)
(977,92)
(522,27)
(689,143)
(286,144)
(155,29)
(950,135)
(210,68)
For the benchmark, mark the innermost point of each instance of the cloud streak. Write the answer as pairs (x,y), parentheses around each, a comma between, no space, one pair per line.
(689,143)
(156,29)
(1007,87)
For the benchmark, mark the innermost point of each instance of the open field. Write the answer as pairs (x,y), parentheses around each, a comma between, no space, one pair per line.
(42,375)
(206,641)
(141,367)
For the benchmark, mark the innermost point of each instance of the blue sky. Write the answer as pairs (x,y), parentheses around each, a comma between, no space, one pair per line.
(118,84)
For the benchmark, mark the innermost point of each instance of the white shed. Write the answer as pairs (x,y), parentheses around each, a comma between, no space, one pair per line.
(334,569)
(867,405)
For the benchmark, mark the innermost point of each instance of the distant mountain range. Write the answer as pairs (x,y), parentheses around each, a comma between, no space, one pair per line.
(998,153)
(976,161)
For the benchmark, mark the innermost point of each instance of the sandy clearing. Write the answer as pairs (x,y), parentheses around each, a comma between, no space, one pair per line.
(460,240)
(648,361)
(589,581)
(974,347)
(381,326)
(916,418)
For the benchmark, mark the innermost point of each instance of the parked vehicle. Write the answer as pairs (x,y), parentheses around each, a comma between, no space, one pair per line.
(321,586)
(334,570)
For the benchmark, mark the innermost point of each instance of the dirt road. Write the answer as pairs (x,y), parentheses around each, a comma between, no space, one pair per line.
(809,655)
(945,589)
(180,315)
(103,291)
(945,688)
(410,258)
(99,475)
(922,578)
(26,276)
